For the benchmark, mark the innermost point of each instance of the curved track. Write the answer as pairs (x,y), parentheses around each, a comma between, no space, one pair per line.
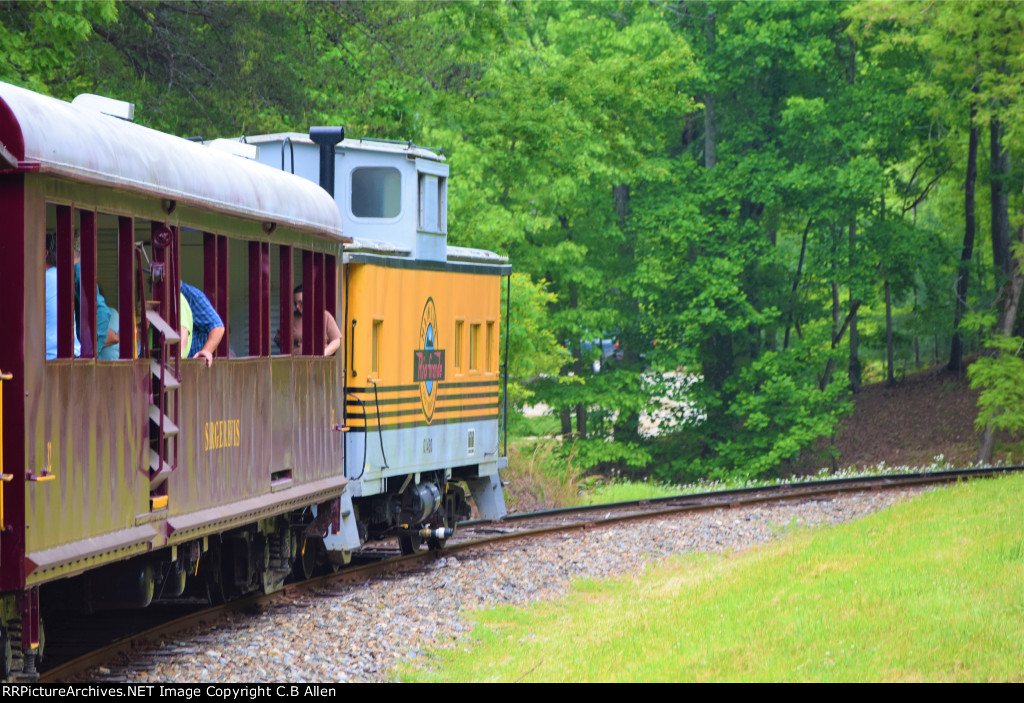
(378,559)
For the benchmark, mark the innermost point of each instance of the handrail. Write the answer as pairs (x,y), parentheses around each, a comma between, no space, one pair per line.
(380,433)
(4,478)
(291,147)
(353,344)
(408,143)
(362,465)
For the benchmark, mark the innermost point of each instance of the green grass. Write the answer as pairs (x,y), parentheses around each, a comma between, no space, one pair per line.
(619,491)
(930,590)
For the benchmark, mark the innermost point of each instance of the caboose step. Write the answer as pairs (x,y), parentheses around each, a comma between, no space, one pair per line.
(170,429)
(170,382)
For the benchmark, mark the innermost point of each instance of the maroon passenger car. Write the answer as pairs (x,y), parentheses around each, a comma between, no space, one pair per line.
(133,478)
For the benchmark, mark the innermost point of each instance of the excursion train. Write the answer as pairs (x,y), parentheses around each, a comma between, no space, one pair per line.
(353,391)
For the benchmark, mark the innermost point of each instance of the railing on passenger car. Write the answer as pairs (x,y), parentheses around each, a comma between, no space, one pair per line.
(4,477)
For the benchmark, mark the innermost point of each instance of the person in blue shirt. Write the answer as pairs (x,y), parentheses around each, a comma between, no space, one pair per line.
(51,309)
(207,327)
(105,336)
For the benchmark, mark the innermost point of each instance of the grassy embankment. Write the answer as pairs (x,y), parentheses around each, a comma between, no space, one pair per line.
(931,590)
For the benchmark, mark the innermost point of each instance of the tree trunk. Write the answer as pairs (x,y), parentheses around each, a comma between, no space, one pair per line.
(796,284)
(917,340)
(1000,174)
(890,378)
(577,365)
(581,420)
(627,426)
(1011,270)
(566,417)
(581,408)
(620,200)
(837,310)
(956,353)
(826,377)
(710,130)
(854,371)
(1012,290)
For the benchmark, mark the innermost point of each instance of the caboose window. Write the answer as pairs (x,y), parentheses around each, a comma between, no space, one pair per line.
(432,195)
(428,203)
(458,345)
(376,346)
(490,348)
(376,192)
(474,347)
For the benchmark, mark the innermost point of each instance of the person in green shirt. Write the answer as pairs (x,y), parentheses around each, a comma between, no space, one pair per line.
(185,317)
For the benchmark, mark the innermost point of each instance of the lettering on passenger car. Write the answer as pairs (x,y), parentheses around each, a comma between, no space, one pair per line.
(221,434)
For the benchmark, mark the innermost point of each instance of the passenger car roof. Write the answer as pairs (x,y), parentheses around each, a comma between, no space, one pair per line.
(39,133)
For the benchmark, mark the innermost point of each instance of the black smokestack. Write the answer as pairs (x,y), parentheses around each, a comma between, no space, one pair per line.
(327,138)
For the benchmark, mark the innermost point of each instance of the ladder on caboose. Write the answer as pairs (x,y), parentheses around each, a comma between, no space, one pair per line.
(163,341)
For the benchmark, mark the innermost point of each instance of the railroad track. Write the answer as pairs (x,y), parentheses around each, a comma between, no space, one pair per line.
(474,535)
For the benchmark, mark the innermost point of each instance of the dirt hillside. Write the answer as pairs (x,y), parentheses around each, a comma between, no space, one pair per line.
(924,415)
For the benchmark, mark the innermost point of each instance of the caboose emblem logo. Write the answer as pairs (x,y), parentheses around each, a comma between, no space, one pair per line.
(428,360)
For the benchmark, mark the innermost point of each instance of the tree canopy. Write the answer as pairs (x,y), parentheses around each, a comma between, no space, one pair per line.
(762,205)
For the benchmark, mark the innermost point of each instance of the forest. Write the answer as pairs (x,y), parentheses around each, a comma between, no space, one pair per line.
(738,213)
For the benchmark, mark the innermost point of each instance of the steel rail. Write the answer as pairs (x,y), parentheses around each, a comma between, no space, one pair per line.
(693,503)
(869,481)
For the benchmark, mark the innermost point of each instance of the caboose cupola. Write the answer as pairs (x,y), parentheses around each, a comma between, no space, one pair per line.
(396,192)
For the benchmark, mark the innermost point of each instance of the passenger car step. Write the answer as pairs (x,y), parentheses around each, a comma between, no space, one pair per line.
(170,429)
(169,380)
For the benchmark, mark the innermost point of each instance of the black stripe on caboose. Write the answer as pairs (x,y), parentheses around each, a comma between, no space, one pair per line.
(415,398)
(442,385)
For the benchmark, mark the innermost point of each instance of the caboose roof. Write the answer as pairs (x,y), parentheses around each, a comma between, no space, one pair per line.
(360,144)
(52,136)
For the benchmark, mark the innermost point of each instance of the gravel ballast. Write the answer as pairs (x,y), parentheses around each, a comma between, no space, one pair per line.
(359,632)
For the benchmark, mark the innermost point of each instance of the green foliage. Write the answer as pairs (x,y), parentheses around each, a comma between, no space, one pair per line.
(580,135)
(782,413)
(40,43)
(1001,378)
(591,454)
(533,351)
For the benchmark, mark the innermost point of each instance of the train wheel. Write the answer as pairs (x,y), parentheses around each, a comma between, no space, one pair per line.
(214,576)
(305,562)
(307,558)
(410,544)
(41,652)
